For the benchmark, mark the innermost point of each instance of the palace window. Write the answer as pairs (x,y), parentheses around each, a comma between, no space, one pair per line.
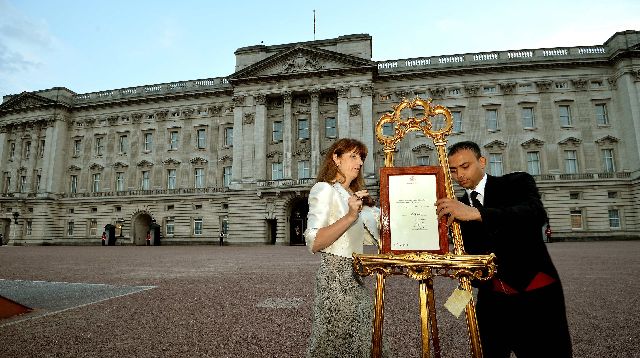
(6,185)
(74,184)
(123,144)
(93,227)
(614,218)
(41,148)
(76,147)
(38,180)
(99,146)
(608,162)
(490,89)
(173,140)
(197,226)
(148,142)
(601,114)
(119,181)
(199,177)
(457,121)
(96,182)
(533,163)
(29,227)
(576,219)
(170,226)
(226,176)
(303,169)
(12,150)
(388,130)
(330,129)
(145,180)
(276,132)
(27,149)
(491,117)
(171,179)
(564,112)
(23,183)
(69,228)
(495,164)
(201,134)
(570,162)
(422,160)
(276,171)
(528,119)
(228,136)
(303,128)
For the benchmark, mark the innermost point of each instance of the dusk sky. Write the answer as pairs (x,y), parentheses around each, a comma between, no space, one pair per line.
(89,46)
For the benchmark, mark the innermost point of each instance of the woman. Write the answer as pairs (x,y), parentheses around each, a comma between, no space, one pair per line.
(341,218)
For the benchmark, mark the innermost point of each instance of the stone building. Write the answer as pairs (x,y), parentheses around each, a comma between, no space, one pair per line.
(188,160)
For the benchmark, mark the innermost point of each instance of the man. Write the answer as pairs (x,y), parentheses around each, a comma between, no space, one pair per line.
(522,308)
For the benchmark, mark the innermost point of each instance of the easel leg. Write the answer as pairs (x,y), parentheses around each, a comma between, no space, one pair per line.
(428,319)
(472,323)
(424,319)
(376,349)
(433,320)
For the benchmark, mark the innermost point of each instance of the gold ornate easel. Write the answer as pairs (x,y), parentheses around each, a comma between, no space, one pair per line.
(424,266)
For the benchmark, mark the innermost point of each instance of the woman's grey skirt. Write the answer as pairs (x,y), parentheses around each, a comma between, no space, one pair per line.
(342,312)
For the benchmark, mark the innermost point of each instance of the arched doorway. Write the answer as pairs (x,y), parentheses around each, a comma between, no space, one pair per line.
(298,221)
(141,224)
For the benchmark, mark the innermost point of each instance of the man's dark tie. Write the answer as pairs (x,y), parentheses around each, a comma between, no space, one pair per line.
(474,200)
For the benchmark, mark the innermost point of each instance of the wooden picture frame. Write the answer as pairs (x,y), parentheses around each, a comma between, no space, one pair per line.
(408,213)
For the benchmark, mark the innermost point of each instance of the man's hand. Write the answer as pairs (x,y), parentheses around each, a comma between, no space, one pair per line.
(456,211)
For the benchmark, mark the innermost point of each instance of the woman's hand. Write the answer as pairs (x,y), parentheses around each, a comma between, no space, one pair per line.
(355,202)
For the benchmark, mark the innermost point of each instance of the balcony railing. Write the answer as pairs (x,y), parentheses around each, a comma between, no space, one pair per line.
(156,89)
(141,192)
(582,176)
(285,182)
(498,57)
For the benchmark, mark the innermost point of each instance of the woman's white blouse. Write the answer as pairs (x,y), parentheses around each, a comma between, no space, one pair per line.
(327,204)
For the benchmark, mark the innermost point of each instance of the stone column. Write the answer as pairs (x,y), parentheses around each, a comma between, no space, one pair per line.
(287,136)
(236,169)
(4,150)
(368,128)
(343,112)
(315,131)
(54,165)
(260,138)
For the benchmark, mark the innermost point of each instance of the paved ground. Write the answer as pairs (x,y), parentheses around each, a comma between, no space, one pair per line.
(211,301)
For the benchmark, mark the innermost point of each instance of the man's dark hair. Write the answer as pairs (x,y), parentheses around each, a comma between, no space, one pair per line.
(469,145)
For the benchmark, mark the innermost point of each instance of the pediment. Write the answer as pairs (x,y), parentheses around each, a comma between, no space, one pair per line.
(608,139)
(422,148)
(496,144)
(301,60)
(198,161)
(170,161)
(570,141)
(533,142)
(25,100)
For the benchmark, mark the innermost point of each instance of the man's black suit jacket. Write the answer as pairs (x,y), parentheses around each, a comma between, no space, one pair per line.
(511,227)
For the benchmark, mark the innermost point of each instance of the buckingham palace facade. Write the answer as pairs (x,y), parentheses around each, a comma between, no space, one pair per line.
(237,155)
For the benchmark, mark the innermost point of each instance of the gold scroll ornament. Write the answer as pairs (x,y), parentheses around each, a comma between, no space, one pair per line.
(423,266)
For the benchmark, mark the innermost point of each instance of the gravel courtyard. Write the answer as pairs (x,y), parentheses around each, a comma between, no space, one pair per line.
(236,301)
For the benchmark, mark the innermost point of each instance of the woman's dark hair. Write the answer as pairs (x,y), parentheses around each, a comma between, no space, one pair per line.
(330,173)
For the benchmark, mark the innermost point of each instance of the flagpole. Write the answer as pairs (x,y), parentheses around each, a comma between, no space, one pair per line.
(314,25)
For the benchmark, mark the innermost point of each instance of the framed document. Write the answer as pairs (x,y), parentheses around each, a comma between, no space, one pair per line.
(408,214)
